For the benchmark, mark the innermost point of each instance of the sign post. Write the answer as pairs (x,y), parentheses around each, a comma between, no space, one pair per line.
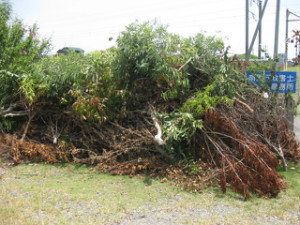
(284,81)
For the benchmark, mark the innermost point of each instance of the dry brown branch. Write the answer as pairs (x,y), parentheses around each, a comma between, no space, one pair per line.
(238,144)
(244,104)
(31,116)
(246,163)
(277,150)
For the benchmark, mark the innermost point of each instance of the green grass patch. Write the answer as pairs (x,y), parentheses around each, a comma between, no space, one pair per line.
(297,110)
(37,193)
(76,194)
(293,179)
(294,68)
(296,95)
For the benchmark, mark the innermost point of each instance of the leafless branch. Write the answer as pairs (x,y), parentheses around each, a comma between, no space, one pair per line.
(9,112)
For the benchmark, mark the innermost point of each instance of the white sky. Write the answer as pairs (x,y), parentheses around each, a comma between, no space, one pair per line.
(88,24)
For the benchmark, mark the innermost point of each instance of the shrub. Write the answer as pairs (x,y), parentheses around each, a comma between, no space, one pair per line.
(20,47)
(148,51)
(83,82)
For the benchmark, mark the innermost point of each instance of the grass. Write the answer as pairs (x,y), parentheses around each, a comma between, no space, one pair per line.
(70,194)
(294,68)
(36,193)
(296,95)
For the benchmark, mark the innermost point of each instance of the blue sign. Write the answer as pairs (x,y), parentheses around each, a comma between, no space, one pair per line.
(286,80)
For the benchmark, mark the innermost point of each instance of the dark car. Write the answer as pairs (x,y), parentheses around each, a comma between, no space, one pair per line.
(66,50)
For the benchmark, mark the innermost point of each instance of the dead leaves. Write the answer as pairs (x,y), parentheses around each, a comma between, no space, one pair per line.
(22,150)
(247,164)
(163,180)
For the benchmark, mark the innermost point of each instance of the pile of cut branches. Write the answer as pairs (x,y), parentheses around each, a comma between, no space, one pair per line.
(157,103)
(245,143)
(239,145)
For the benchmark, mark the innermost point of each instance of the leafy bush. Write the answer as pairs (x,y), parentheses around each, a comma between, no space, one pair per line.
(140,53)
(178,129)
(20,47)
(99,99)
(148,51)
(205,55)
(8,86)
(56,76)
(203,101)
(83,82)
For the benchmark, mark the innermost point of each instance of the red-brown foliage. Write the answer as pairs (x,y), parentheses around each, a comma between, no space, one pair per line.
(246,162)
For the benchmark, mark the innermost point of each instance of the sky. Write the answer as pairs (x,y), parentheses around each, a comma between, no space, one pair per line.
(88,24)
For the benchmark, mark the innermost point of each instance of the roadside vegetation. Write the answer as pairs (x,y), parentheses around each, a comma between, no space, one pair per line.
(157,104)
(296,96)
(294,68)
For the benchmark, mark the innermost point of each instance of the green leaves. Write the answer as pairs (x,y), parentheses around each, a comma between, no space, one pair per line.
(140,52)
(28,87)
(180,126)
(178,129)
(203,101)
(8,86)
(20,47)
(56,75)
(205,54)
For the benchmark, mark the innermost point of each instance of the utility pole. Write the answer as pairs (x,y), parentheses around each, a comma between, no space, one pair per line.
(247,29)
(259,33)
(286,37)
(287,32)
(276,29)
(256,31)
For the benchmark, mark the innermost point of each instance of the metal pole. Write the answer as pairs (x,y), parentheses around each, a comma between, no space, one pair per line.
(247,28)
(256,31)
(296,49)
(286,37)
(259,33)
(277,29)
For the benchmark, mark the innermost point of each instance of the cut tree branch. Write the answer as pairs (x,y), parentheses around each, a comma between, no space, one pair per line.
(16,114)
(9,109)
(9,112)
(158,137)
(244,104)
(27,126)
(278,150)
